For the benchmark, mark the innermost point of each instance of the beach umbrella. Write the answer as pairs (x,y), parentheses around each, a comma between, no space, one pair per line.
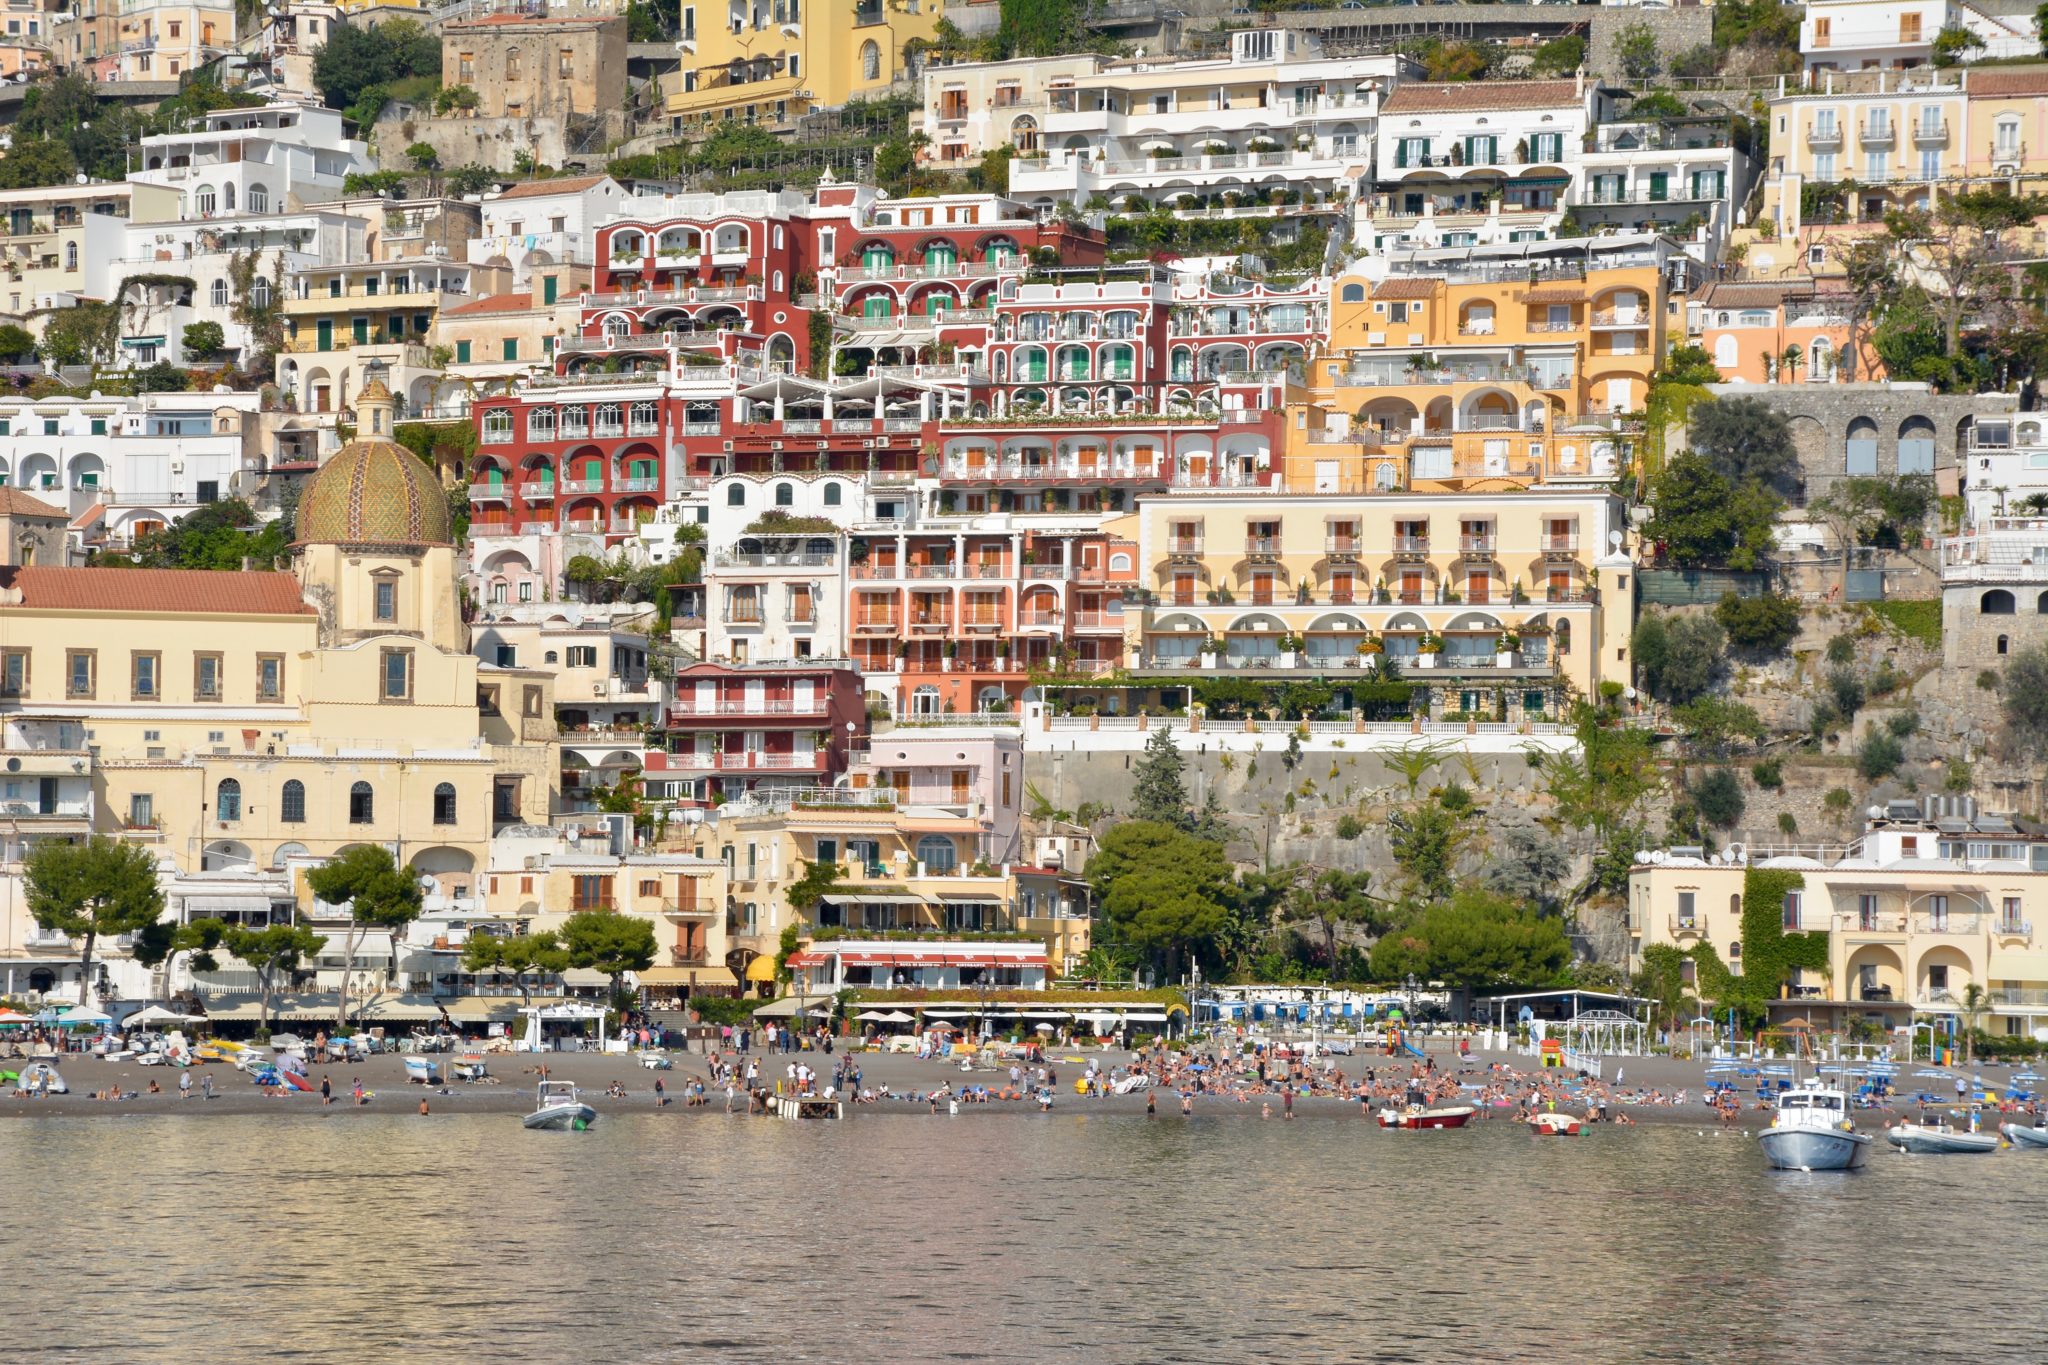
(897,1017)
(14,1019)
(84,1018)
(1042,1028)
(157,1014)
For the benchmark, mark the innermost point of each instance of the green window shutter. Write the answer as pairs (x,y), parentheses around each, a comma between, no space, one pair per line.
(547,289)
(462,353)
(362,330)
(1660,186)
(511,348)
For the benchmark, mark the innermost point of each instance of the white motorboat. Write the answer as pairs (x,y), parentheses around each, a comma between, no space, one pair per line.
(2033,1135)
(1942,1138)
(558,1106)
(1812,1131)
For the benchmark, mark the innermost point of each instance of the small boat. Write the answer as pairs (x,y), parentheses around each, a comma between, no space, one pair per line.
(2026,1135)
(42,1076)
(557,1106)
(1417,1116)
(1811,1131)
(1555,1125)
(1941,1139)
(808,1107)
(423,1070)
(469,1067)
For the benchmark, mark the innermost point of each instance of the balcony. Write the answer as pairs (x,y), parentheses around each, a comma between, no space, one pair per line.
(1561,545)
(931,625)
(691,707)
(1184,545)
(1877,134)
(1686,926)
(581,485)
(1931,134)
(489,492)
(636,485)
(877,625)
(1411,546)
(1621,317)
(1824,139)
(1261,547)
(1342,547)
(583,526)
(1477,547)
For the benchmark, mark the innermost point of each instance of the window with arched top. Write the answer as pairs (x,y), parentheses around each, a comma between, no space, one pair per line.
(870,61)
(362,804)
(938,854)
(291,803)
(832,495)
(219,293)
(259,199)
(1351,293)
(227,197)
(71,255)
(259,294)
(736,496)
(1997,602)
(227,801)
(444,804)
(204,204)
(785,495)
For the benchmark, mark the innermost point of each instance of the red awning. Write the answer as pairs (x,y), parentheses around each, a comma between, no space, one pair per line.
(806,959)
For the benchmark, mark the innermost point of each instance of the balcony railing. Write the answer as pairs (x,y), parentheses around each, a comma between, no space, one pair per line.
(1184,545)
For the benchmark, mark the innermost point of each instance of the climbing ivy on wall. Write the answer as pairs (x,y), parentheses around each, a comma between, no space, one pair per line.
(1769,954)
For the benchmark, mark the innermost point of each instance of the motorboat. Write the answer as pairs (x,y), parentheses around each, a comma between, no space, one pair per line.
(41,1077)
(1811,1131)
(1419,1116)
(2032,1135)
(1549,1124)
(1942,1138)
(557,1106)
(469,1067)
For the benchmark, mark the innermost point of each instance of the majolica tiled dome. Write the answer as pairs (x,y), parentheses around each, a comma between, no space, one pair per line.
(373,492)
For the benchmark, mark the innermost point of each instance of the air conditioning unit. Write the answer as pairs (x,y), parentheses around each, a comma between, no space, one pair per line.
(803,95)
(728,447)
(597,689)
(776,446)
(177,466)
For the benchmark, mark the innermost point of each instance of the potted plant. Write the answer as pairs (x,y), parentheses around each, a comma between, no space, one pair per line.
(1506,649)
(1432,645)
(1516,594)
(1212,648)
(1290,649)
(1370,646)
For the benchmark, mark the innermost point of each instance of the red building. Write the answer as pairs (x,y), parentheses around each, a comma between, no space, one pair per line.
(736,728)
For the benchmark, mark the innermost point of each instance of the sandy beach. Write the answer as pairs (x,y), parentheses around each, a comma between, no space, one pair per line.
(510,1089)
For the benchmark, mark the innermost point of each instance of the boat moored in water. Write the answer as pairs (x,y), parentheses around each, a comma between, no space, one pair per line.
(1811,1131)
(1418,1116)
(558,1106)
(1942,1138)
(2034,1135)
(1555,1125)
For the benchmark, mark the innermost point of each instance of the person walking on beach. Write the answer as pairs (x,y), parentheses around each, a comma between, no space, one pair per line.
(660,1094)
(1287,1103)
(184,1085)
(205,1085)
(326,1092)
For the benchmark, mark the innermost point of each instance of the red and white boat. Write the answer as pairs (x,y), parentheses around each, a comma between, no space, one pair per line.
(1554,1125)
(1415,1116)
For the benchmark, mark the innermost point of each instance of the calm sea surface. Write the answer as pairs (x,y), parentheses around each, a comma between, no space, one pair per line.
(904,1237)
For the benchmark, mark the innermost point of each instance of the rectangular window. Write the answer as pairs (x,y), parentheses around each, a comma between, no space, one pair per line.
(487,700)
(387,601)
(206,677)
(141,811)
(1688,910)
(269,677)
(1866,912)
(397,675)
(14,673)
(581,656)
(462,353)
(511,348)
(1909,28)
(592,892)
(565,65)
(1790,915)
(81,670)
(530,703)
(1930,163)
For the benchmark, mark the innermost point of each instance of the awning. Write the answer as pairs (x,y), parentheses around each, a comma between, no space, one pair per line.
(786,1008)
(584,978)
(481,1009)
(806,960)
(1557,293)
(688,976)
(876,900)
(761,968)
(2026,968)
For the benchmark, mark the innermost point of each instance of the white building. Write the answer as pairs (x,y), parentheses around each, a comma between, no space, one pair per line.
(279,157)
(135,464)
(1864,35)
(546,222)
(1275,117)
(972,108)
(777,594)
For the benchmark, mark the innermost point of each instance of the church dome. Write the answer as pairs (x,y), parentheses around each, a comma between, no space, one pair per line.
(373,492)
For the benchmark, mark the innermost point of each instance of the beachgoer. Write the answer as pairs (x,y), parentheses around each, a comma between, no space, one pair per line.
(184,1085)
(155,1089)
(326,1092)
(1287,1102)
(423,1106)
(660,1094)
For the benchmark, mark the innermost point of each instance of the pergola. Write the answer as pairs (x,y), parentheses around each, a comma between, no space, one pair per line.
(1599,1023)
(1607,1033)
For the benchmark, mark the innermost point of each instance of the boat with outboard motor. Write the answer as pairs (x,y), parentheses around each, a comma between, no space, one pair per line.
(557,1106)
(1942,1138)
(1812,1131)
(2031,1135)
(1419,1116)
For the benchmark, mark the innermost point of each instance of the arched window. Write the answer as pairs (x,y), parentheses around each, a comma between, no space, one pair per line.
(938,855)
(1820,364)
(2004,644)
(832,495)
(1727,354)
(444,804)
(362,804)
(736,496)
(291,803)
(71,255)
(227,197)
(1997,602)
(259,199)
(785,495)
(870,61)
(219,293)
(259,293)
(1352,293)
(203,203)
(227,801)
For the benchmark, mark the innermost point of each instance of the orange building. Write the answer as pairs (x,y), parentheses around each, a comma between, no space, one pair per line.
(1780,331)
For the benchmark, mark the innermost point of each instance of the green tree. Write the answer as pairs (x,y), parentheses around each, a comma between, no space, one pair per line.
(1746,440)
(1475,940)
(1703,520)
(1158,791)
(1528,865)
(471,179)
(32,163)
(1560,56)
(354,59)
(1688,365)
(1425,840)
(2023,702)
(1334,900)
(275,949)
(379,894)
(606,941)
(818,882)
(161,944)
(1953,44)
(204,338)
(1636,48)
(1163,892)
(373,182)
(1599,787)
(520,955)
(1712,724)
(1766,623)
(1879,756)
(1040,28)
(423,157)
(162,377)
(1718,798)
(16,343)
(100,887)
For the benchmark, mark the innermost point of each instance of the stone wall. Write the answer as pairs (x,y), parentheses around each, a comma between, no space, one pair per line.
(492,142)
(1822,415)
(1678,31)
(1973,639)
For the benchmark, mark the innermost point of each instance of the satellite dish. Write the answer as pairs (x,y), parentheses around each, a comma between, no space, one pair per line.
(1614,539)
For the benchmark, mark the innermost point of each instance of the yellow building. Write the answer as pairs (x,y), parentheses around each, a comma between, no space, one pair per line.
(768,61)
(343,321)
(1475,593)
(62,240)
(243,721)
(681,895)
(1916,912)
(493,340)
(163,40)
